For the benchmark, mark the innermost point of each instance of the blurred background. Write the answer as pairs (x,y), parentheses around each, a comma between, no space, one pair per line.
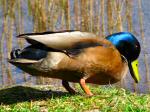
(102,17)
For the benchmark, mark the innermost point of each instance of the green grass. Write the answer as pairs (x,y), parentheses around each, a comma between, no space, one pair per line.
(106,99)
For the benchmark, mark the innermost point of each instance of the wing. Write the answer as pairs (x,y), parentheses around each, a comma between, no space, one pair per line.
(69,42)
(57,40)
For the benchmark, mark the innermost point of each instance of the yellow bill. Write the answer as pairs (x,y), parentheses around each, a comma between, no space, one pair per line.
(133,67)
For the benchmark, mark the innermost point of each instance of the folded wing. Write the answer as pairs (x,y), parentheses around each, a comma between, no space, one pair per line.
(58,40)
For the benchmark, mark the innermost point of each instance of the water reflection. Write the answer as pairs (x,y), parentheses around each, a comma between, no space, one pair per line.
(102,17)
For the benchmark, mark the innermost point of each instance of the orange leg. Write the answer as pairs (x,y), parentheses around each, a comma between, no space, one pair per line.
(85,88)
(67,87)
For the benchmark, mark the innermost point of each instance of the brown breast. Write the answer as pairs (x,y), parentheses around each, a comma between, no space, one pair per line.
(103,65)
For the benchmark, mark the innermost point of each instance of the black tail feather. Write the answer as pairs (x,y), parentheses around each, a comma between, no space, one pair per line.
(15,53)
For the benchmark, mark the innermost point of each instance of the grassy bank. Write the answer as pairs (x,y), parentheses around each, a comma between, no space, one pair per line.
(35,99)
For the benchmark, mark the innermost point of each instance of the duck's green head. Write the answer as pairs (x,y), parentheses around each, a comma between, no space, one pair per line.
(130,48)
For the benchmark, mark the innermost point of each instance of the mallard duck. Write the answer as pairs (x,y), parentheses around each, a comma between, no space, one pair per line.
(80,57)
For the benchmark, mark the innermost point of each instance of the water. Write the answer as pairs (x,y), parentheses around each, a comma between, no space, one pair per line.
(25,16)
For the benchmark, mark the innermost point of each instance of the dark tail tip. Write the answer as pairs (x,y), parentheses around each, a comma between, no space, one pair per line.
(15,53)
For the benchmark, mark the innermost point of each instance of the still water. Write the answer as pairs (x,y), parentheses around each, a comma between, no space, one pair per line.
(98,16)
